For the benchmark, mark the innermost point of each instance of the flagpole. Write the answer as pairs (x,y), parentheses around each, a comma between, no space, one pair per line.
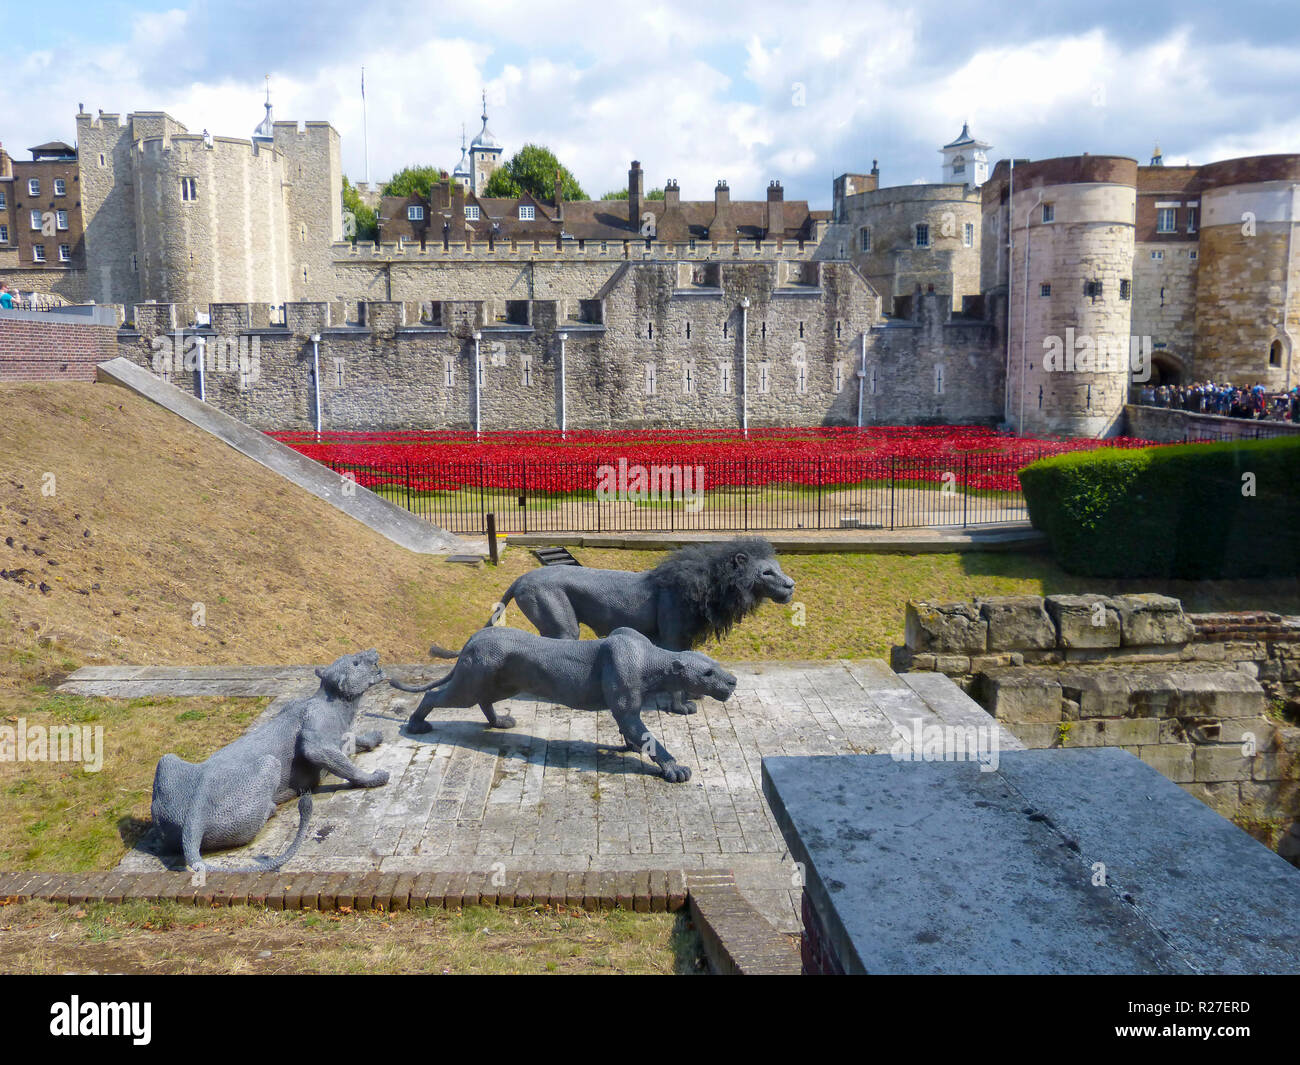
(365,131)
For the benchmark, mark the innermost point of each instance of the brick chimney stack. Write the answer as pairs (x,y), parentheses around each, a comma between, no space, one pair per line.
(635,195)
(721,229)
(775,210)
(672,195)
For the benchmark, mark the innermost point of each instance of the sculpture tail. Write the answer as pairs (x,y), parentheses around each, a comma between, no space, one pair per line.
(420,688)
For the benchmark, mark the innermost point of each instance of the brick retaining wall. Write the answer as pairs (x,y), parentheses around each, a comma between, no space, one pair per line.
(53,347)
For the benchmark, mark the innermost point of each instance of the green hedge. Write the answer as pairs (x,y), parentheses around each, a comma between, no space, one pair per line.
(1176,511)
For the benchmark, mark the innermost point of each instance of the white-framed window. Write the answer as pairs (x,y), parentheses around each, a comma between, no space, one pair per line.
(61,219)
(189,189)
(60,187)
(1157,256)
(1049,212)
(65,253)
(471,213)
(922,235)
(3,202)
(415,214)
(864,240)
(36,219)
(4,234)
(33,186)
(38,253)
(968,235)
(526,212)
(1193,218)
(1166,219)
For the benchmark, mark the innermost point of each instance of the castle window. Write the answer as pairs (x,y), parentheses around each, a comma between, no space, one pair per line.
(1275,353)
(688,377)
(415,214)
(1192,213)
(839,377)
(938,379)
(1157,256)
(1093,290)
(65,253)
(3,203)
(34,187)
(650,382)
(864,240)
(526,213)
(1125,289)
(4,234)
(801,378)
(688,330)
(338,373)
(764,378)
(135,263)
(102,161)
(1167,220)
(1049,212)
(36,220)
(1193,255)
(724,377)
(61,219)
(471,214)
(922,235)
(1044,289)
(189,189)
(60,187)
(968,235)
(38,253)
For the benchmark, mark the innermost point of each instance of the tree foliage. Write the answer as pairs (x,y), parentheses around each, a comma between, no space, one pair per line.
(621,194)
(532,169)
(363,224)
(413,181)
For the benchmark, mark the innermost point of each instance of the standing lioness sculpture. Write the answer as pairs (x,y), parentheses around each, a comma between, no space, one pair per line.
(226,800)
(621,673)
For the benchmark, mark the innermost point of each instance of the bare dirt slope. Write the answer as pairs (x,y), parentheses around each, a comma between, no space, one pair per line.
(121,527)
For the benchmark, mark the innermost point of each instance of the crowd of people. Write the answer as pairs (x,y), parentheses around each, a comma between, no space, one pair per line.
(1232,401)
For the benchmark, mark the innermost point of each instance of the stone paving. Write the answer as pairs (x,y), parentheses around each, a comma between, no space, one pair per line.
(558,793)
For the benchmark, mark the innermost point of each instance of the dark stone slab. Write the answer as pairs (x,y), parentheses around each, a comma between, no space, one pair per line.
(937,867)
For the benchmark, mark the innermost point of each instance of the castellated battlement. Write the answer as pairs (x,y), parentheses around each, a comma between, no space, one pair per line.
(657,346)
(594,250)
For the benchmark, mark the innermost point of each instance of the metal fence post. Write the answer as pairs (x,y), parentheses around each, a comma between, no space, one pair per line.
(892,462)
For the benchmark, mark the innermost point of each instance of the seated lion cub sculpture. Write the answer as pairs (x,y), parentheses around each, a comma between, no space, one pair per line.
(621,673)
(226,800)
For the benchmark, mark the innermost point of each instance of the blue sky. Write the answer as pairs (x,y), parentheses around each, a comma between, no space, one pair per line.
(742,91)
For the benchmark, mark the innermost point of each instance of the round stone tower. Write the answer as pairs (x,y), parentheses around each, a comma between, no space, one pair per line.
(1069,296)
(1248,276)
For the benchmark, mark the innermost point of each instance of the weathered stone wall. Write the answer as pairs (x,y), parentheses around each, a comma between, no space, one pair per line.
(1164,305)
(663,346)
(1166,426)
(893,264)
(1203,698)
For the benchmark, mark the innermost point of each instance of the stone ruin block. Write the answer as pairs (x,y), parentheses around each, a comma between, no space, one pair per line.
(1220,694)
(1146,619)
(1099,692)
(1077,620)
(1020,696)
(945,628)
(1017,623)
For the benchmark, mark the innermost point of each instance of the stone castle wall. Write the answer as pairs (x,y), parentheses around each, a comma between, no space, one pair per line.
(1164,305)
(658,349)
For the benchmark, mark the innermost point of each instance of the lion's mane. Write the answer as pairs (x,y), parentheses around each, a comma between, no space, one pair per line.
(711,590)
